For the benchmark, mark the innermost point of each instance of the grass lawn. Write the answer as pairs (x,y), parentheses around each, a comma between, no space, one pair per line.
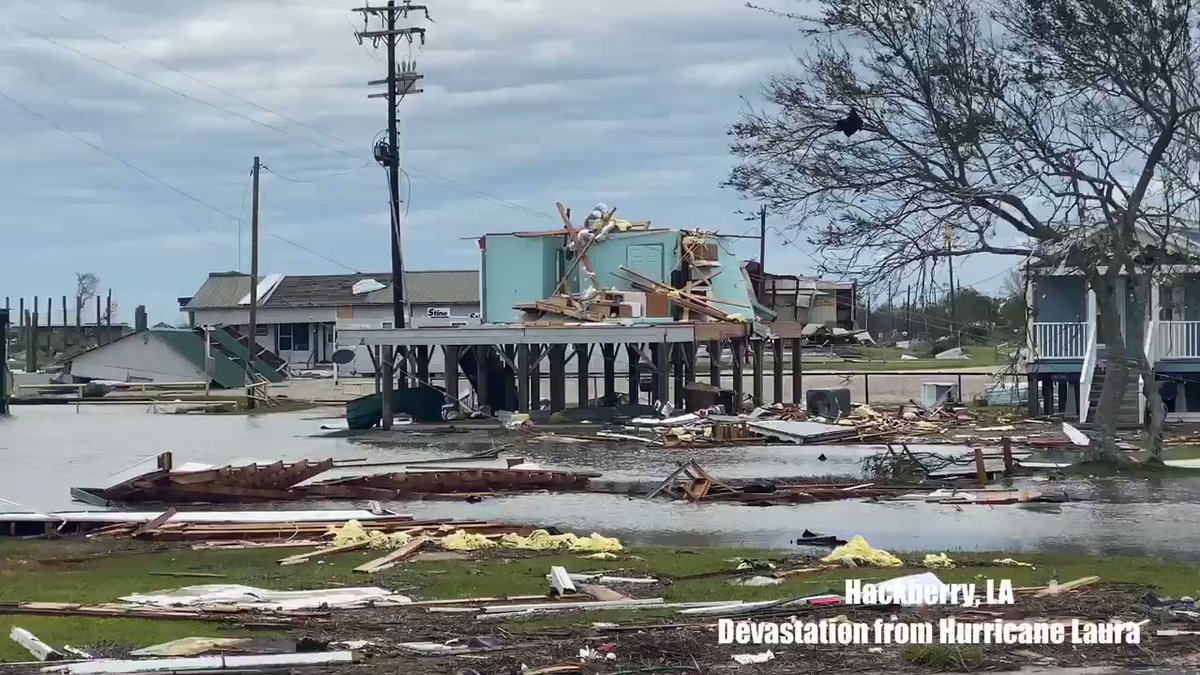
(888,359)
(53,571)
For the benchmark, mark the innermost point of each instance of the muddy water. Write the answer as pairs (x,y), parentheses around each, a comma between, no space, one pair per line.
(47,450)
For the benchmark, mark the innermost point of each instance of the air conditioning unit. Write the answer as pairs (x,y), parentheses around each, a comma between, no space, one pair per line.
(938,394)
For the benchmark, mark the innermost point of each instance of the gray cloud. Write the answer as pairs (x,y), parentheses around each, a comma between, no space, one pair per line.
(529,101)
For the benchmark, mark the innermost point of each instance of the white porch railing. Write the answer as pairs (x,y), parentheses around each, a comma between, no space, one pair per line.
(1178,340)
(1060,339)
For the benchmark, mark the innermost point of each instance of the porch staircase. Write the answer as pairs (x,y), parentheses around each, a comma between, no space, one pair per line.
(266,363)
(1127,416)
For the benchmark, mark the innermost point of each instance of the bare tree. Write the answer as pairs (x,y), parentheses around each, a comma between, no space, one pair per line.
(86,286)
(913,131)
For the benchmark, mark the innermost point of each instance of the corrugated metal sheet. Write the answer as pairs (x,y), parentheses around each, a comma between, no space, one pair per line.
(220,289)
(434,287)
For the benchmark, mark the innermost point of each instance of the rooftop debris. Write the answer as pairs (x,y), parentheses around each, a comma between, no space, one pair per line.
(691,290)
(251,482)
(691,482)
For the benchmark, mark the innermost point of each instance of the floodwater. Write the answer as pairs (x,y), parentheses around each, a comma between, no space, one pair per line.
(49,449)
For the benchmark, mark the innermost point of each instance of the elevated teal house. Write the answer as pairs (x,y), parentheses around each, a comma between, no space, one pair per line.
(523,268)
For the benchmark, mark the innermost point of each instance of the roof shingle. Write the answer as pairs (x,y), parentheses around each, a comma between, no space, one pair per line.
(436,287)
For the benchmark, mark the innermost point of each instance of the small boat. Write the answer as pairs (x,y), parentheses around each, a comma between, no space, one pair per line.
(423,404)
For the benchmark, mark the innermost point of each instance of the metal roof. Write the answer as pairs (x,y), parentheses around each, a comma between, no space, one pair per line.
(220,289)
(189,345)
(434,287)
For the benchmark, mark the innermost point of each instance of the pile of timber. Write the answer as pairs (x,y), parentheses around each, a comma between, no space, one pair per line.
(294,481)
(233,484)
(447,481)
(299,533)
(692,483)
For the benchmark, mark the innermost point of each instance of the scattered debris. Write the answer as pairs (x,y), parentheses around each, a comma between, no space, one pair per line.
(249,597)
(40,650)
(747,659)
(203,663)
(859,551)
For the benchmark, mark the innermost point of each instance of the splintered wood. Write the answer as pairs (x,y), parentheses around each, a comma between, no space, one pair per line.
(294,481)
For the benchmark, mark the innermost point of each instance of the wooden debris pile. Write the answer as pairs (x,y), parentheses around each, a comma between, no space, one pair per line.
(689,297)
(299,533)
(448,481)
(692,483)
(295,481)
(235,484)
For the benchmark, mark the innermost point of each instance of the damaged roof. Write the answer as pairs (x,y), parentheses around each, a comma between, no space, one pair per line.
(223,290)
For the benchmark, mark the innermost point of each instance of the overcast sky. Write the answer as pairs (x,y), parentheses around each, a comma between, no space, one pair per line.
(526,102)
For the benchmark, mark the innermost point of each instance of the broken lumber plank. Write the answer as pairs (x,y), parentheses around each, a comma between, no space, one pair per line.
(40,650)
(321,553)
(156,522)
(196,575)
(602,593)
(1070,585)
(394,558)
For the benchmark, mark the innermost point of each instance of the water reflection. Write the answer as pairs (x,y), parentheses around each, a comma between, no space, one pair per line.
(50,449)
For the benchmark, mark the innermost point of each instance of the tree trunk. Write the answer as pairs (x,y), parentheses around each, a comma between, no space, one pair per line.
(1116,367)
(1143,281)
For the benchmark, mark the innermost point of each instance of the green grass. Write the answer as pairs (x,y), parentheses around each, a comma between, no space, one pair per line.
(888,359)
(35,570)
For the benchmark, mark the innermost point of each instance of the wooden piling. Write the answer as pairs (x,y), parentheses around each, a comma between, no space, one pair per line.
(482,400)
(714,363)
(535,376)
(797,372)
(737,349)
(777,368)
(1006,450)
(635,357)
(50,326)
(677,373)
(558,377)
(387,382)
(609,351)
(583,392)
(759,348)
(450,359)
(1032,396)
(422,355)
(31,342)
(523,378)
(980,468)
(64,323)
(662,359)
(108,318)
(4,392)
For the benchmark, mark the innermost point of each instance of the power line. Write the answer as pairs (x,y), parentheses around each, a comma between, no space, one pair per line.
(183,193)
(442,181)
(316,178)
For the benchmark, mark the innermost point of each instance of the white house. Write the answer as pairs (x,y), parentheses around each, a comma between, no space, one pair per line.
(298,315)
(159,355)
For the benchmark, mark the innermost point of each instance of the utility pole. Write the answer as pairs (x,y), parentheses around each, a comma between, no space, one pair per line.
(400,83)
(762,238)
(4,359)
(953,303)
(252,327)
(908,311)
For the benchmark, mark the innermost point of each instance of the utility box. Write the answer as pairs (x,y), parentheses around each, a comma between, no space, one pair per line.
(938,394)
(828,402)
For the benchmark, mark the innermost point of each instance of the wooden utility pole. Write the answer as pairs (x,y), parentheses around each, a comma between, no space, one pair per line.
(762,240)
(4,392)
(252,323)
(400,82)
